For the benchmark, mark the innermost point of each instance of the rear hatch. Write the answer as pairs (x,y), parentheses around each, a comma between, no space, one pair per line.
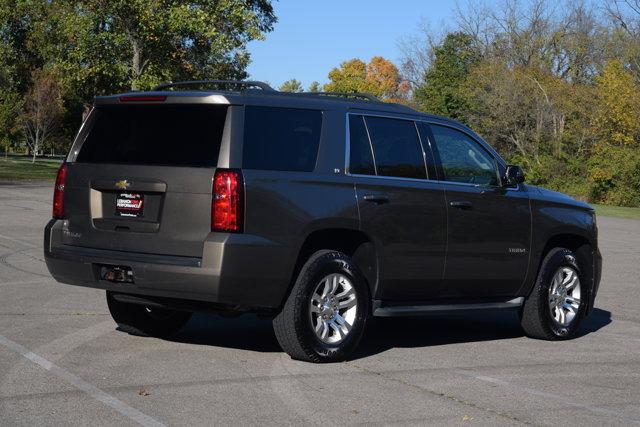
(140,178)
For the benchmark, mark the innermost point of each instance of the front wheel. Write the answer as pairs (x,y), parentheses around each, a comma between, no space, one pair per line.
(324,316)
(146,321)
(556,306)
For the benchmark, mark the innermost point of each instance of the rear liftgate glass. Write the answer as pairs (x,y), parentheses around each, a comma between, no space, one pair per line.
(148,168)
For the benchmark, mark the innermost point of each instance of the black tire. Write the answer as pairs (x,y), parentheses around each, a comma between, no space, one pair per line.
(139,320)
(536,317)
(293,325)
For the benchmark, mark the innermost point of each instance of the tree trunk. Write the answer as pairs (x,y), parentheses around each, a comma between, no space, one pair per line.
(135,65)
(35,147)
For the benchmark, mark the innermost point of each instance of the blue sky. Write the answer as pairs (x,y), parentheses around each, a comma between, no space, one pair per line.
(312,37)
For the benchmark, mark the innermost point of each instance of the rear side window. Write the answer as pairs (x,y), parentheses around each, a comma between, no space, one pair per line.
(282,139)
(171,135)
(396,147)
(360,156)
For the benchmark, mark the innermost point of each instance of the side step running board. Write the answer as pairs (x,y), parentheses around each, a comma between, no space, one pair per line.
(415,310)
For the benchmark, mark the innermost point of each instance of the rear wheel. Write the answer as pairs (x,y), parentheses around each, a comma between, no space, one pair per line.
(556,306)
(146,321)
(324,316)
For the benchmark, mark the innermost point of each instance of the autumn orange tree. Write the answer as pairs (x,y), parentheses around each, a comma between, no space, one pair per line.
(380,77)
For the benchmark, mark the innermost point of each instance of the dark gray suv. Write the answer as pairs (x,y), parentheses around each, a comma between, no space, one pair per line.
(319,210)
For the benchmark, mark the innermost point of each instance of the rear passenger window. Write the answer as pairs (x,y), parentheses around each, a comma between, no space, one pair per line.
(396,147)
(282,139)
(360,157)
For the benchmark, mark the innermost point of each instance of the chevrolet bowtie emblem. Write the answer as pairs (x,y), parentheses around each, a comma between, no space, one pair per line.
(123,184)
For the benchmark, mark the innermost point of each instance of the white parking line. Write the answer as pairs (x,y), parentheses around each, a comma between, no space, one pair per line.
(81,384)
(556,397)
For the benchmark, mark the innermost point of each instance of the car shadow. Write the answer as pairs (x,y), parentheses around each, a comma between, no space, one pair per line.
(245,332)
(596,320)
(249,332)
(452,328)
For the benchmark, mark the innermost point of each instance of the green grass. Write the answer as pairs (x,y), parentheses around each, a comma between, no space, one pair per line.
(619,211)
(21,169)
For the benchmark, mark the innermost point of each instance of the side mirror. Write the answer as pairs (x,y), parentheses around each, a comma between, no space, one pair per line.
(513,176)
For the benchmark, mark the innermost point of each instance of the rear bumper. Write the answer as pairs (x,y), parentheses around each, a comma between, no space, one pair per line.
(238,270)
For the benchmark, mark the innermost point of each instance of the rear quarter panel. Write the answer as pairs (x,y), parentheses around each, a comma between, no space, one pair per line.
(284,208)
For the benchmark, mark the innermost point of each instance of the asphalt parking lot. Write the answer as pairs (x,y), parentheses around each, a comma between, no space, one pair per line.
(62,361)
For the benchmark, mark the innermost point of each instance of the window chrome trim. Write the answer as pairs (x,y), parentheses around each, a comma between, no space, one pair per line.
(486,147)
(498,160)
(400,178)
(347,144)
(482,147)
(373,154)
(424,153)
(375,166)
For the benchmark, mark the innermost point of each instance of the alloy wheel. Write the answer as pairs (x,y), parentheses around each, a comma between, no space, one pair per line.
(564,296)
(333,308)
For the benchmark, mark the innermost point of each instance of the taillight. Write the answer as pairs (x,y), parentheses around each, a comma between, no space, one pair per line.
(227,203)
(58,193)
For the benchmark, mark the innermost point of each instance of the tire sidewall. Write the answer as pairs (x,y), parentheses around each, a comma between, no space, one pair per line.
(555,260)
(319,270)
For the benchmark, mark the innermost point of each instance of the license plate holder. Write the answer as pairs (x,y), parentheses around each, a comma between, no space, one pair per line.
(129,204)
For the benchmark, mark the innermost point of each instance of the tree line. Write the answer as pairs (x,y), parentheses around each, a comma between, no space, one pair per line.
(56,55)
(553,85)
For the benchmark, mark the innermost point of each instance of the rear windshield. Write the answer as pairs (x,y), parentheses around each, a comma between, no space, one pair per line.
(282,139)
(171,135)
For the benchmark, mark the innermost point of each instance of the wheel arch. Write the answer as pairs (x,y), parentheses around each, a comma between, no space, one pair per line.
(352,242)
(581,245)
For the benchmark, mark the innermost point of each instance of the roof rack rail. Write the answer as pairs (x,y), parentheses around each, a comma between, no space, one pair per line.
(354,95)
(242,83)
